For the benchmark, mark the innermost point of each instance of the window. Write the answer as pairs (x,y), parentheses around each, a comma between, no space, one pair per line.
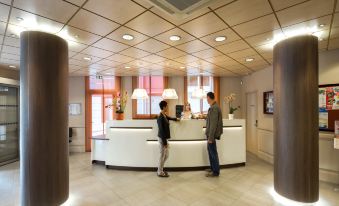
(99,92)
(154,85)
(206,83)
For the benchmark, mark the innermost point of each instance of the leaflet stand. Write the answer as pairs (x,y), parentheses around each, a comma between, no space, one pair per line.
(336,142)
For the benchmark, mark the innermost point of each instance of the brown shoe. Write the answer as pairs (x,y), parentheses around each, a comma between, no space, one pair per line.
(163,174)
(208,170)
(211,174)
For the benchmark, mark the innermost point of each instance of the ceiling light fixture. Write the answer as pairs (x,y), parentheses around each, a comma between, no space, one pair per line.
(13,35)
(220,38)
(88,58)
(128,37)
(19,18)
(175,38)
(12,66)
(127,67)
(182,67)
(249,59)
(321,25)
(76,36)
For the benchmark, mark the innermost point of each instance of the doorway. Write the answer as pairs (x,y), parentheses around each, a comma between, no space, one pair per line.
(251,122)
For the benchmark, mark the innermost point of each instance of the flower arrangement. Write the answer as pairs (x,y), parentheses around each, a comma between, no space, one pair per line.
(119,102)
(229,99)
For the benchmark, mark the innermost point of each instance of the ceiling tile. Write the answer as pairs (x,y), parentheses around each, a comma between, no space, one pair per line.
(171,53)
(107,62)
(144,3)
(193,46)
(134,52)
(34,22)
(186,59)
(336,20)
(322,45)
(153,58)
(11,50)
(306,11)
(75,46)
(71,53)
(116,10)
(97,67)
(110,45)
(10,56)
(244,10)
(264,38)
(227,62)
(204,25)
(228,33)
(208,53)
(149,24)
(233,46)
(1,39)
(11,41)
(93,51)
(8,2)
(335,33)
(79,59)
(257,26)
(152,46)
(334,44)
(4,10)
(77,2)
(219,4)
(14,30)
(93,23)
(218,59)
(266,48)
(74,67)
(74,34)
(117,36)
(185,37)
(139,63)
(48,8)
(120,58)
(2,27)
(278,4)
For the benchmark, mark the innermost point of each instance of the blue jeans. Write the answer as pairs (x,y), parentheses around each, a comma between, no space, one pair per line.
(213,156)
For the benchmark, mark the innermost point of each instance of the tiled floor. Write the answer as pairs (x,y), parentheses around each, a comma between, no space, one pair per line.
(95,185)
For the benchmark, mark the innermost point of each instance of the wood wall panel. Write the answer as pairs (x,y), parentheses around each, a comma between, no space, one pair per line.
(295,79)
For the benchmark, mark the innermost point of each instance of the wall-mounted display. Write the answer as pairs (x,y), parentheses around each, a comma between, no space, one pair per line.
(74,109)
(328,106)
(268,102)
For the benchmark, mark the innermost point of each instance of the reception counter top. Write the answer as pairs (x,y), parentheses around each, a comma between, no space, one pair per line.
(133,144)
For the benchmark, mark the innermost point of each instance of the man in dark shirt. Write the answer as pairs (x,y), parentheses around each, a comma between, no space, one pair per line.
(214,129)
(163,134)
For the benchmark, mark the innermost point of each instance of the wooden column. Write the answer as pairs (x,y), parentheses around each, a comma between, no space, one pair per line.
(296,150)
(43,119)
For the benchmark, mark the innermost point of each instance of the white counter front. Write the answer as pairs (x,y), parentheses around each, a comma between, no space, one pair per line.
(133,144)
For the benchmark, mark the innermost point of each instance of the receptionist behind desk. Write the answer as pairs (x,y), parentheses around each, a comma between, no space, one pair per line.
(187,113)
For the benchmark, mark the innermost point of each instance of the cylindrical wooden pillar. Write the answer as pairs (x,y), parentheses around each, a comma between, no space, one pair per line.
(43,119)
(296,135)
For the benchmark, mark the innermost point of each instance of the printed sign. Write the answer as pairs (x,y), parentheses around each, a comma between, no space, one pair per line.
(336,133)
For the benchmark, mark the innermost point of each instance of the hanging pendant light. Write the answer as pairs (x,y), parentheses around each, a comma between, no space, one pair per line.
(169,94)
(139,94)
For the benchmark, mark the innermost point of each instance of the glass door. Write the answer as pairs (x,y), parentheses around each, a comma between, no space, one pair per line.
(9,132)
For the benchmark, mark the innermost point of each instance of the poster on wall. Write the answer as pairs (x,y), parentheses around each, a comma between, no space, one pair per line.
(336,138)
(328,106)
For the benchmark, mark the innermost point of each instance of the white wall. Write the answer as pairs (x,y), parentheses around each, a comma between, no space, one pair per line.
(262,81)
(77,95)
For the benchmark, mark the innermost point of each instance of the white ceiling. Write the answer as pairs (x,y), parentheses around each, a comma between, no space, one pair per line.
(94,29)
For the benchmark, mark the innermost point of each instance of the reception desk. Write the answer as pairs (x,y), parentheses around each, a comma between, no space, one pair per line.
(133,144)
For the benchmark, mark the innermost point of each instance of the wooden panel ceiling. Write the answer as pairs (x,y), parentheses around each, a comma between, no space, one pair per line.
(94,30)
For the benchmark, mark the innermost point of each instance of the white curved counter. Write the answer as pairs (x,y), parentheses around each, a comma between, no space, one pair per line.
(133,144)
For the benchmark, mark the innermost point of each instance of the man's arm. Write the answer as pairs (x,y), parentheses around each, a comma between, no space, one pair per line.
(213,119)
(172,118)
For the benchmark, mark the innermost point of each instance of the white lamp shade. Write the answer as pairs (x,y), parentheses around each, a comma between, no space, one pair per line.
(169,94)
(199,94)
(139,94)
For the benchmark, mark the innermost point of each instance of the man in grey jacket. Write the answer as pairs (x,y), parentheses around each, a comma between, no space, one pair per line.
(214,129)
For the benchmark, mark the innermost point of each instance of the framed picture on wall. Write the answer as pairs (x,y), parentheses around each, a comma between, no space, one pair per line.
(268,102)
(328,106)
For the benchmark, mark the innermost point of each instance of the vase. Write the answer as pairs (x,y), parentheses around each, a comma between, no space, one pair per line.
(230,116)
(119,116)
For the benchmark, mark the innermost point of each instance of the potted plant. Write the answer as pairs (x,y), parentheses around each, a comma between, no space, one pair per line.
(229,99)
(119,104)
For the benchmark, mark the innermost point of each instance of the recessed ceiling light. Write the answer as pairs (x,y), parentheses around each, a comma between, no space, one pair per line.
(267,39)
(127,67)
(88,58)
(12,66)
(107,73)
(128,37)
(220,38)
(19,18)
(76,36)
(13,35)
(182,67)
(320,39)
(175,38)
(249,59)
(321,25)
